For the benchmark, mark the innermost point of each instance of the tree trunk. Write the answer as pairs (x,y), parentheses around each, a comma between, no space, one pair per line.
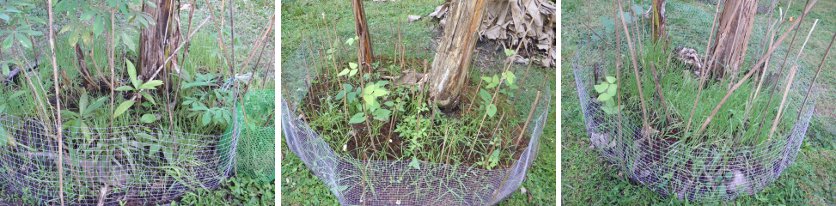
(159,40)
(452,58)
(658,19)
(734,32)
(365,54)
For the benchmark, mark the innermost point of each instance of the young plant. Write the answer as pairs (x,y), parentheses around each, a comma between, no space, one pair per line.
(370,95)
(495,81)
(351,71)
(372,106)
(137,86)
(79,121)
(606,95)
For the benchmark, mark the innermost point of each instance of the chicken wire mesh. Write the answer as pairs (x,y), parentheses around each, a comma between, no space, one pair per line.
(112,166)
(134,164)
(396,182)
(722,167)
(256,157)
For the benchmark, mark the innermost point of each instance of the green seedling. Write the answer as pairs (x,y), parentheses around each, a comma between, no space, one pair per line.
(351,71)
(79,121)
(136,86)
(606,95)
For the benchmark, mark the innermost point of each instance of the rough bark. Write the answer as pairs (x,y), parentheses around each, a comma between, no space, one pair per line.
(514,22)
(365,54)
(734,32)
(452,58)
(159,40)
(658,19)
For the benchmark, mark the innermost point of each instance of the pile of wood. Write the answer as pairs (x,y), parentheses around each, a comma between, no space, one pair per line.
(528,22)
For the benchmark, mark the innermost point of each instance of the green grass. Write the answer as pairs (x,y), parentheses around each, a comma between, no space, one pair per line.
(304,18)
(589,180)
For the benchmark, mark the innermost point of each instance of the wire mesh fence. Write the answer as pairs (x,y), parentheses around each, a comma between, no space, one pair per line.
(738,155)
(357,181)
(136,164)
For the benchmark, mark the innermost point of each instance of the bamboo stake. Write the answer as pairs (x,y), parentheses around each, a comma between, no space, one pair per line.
(645,124)
(789,83)
(783,66)
(705,65)
(58,121)
(815,77)
(530,114)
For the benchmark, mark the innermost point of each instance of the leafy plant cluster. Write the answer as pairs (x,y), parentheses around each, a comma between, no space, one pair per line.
(606,94)
(234,191)
(371,117)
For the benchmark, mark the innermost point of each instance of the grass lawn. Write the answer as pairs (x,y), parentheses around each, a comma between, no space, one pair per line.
(588,180)
(304,18)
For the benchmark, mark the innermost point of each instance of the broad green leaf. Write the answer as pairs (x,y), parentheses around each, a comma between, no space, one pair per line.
(23,41)
(510,77)
(352,72)
(343,72)
(486,97)
(149,98)
(132,73)
(611,90)
(122,108)
(352,65)
(491,110)
(128,42)
(148,118)
(604,97)
(82,104)
(207,118)
(357,118)
(99,25)
(7,43)
(74,37)
(96,105)
(125,88)
(151,84)
(5,17)
(350,41)
(611,79)
(382,114)
(340,95)
(600,88)
(494,159)
(486,79)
